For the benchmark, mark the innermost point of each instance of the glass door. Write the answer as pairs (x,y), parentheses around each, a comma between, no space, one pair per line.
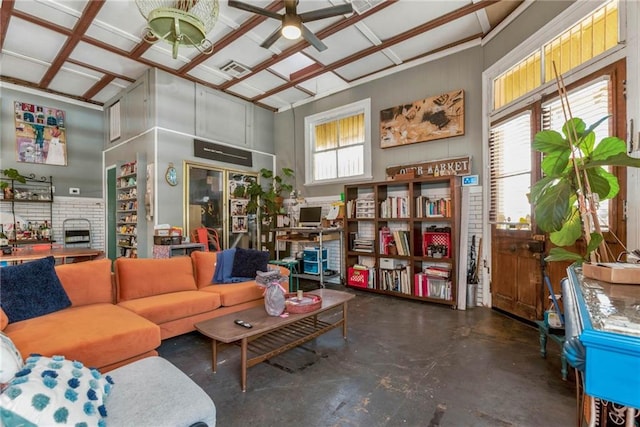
(205,200)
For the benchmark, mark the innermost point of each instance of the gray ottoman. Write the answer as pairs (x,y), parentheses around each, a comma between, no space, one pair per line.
(153,392)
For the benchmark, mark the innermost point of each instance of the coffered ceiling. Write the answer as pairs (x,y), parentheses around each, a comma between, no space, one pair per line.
(91,49)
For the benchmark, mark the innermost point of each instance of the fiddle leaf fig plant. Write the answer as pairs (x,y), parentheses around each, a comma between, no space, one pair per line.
(268,198)
(575,180)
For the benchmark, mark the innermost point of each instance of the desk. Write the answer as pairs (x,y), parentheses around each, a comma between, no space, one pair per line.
(184,249)
(316,235)
(58,254)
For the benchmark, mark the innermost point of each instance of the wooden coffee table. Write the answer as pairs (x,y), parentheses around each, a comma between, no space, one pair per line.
(272,335)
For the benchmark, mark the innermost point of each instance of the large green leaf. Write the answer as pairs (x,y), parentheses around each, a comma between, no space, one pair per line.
(586,143)
(555,162)
(538,188)
(576,123)
(609,147)
(603,183)
(552,205)
(548,141)
(621,159)
(571,230)
(561,254)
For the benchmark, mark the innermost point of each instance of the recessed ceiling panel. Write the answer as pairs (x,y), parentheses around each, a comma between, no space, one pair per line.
(365,66)
(96,75)
(119,23)
(292,95)
(341,44)
(242,50)
(62,12)
(327,82)
(33,41)
(106,60)
(275,103)
(21,68)
(207,74)
(406,15)
(245,90)
(442,36)
(161,53)
(107,93)
(265,81)
(293,63)
(75,83)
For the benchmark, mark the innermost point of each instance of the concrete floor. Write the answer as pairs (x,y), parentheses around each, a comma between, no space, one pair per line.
(405,363)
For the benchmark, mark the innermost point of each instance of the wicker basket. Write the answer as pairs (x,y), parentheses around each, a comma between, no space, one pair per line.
(294,307)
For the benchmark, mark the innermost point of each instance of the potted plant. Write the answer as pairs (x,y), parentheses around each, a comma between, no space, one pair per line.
(266,198)
(575,181)
(11,174)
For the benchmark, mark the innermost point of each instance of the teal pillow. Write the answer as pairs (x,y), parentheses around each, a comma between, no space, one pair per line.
(52,391)
(31,290)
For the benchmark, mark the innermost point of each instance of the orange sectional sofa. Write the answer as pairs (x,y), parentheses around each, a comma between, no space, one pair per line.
(116,318)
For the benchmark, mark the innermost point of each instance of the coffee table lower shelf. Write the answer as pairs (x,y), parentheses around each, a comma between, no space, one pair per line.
(271,336)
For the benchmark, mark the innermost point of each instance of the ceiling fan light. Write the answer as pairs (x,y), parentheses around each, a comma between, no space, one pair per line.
(291,27)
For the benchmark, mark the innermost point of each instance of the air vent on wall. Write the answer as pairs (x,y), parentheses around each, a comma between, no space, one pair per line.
(235,69)
(361,6)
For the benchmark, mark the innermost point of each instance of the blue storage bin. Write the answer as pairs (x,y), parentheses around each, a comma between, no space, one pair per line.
(311,254)
(311,267)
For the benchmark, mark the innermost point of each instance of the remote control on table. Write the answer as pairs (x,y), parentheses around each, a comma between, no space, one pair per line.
(243,323)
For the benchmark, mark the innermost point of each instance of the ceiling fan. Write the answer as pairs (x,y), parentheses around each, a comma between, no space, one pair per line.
(293,23)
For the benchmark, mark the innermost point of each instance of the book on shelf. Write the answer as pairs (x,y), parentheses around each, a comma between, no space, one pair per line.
(433,207)
(431,287)
(396,280)
(437,271)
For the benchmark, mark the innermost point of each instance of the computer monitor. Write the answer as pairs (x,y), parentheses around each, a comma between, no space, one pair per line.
(310,216)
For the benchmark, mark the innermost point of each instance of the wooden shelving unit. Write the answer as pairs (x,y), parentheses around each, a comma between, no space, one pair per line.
(414,227)
(130,210)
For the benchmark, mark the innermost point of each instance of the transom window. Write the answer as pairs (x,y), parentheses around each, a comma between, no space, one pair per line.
(338,144)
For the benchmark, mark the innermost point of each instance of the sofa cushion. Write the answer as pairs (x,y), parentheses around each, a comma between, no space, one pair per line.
(10,359)
(143,277)
(99,334)
(87,282)
(247,262)
(55,391)
(204,265)
(176,305)
(31,289)
(236,293)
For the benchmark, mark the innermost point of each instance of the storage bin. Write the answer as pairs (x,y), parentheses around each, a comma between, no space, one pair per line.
(358,278)
(390,263)
(311,267)
(436,244)
(311,254)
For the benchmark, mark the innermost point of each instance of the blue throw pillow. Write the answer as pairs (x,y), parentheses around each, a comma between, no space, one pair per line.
(248,262)
(224,265)
(31,289)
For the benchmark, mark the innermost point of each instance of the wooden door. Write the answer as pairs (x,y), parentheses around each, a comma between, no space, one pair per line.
(516,278)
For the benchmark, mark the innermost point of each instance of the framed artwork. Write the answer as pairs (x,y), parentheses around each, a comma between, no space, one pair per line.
(41,135)
(432,118)
(239,224)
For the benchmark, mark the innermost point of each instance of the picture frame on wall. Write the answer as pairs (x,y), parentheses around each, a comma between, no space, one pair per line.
(41,135)
(428,119)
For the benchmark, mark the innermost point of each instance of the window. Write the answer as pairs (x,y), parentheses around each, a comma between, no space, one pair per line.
(584,41)
(590,103)
(510,166)
(338,144)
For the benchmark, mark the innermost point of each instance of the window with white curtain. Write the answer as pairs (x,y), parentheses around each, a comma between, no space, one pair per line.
(338,144)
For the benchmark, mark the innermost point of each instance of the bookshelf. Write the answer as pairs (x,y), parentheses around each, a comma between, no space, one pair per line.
(130,210)
(402,237)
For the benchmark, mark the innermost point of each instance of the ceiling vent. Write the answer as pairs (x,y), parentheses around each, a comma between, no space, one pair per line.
(362,6)
(235,69)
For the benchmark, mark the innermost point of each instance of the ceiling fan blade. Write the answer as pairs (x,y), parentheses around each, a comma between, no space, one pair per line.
(273,37)
(312,39)
(328,12)
(254,9)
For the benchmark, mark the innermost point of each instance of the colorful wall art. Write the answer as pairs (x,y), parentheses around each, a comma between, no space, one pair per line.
(41,135)
(432,118)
